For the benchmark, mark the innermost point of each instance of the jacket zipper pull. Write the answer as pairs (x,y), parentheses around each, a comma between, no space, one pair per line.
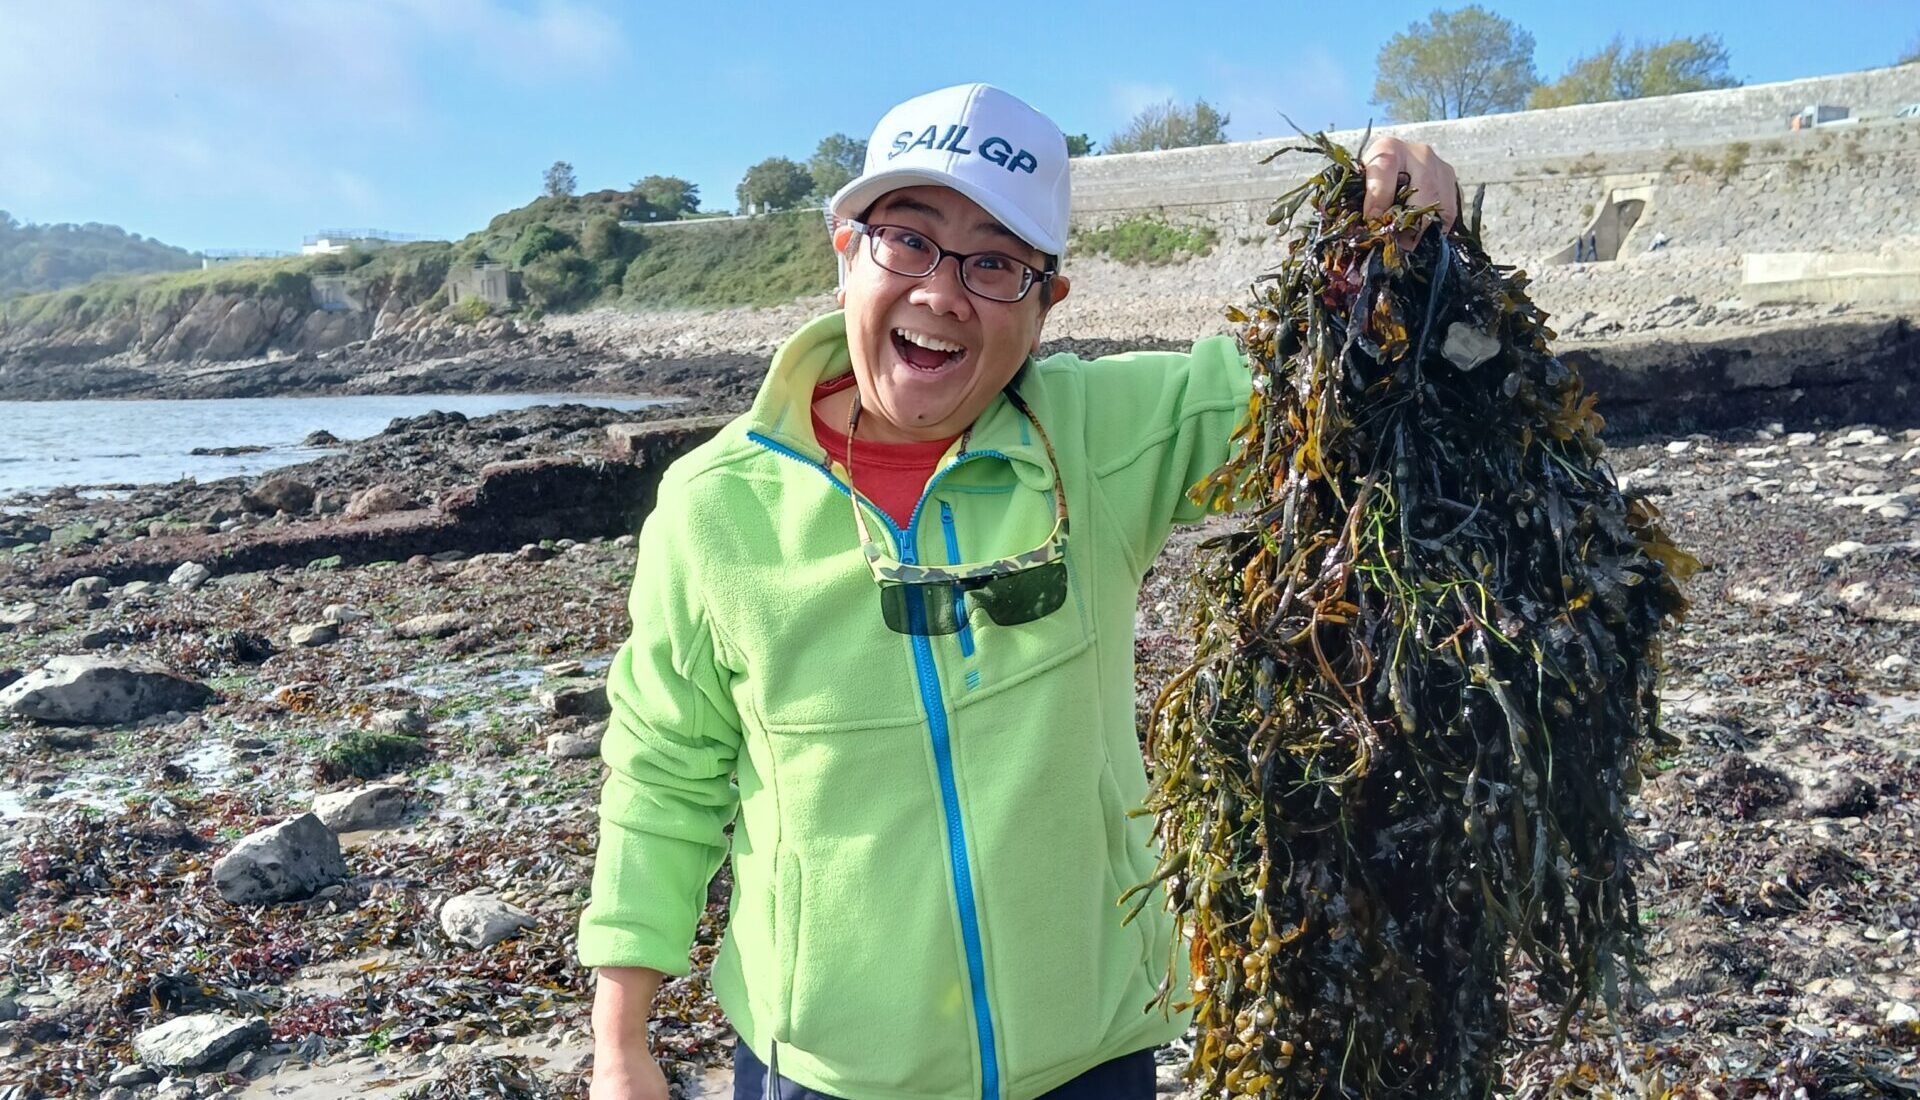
(773,1073)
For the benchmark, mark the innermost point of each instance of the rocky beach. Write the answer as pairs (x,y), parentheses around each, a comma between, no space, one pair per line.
(300,769)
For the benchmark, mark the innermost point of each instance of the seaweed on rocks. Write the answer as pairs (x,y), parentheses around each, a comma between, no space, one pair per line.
(1399,766)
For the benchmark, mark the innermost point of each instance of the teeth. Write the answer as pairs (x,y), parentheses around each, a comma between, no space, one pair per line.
(928,342)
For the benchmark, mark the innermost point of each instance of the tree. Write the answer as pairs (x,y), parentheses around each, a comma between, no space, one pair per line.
(1456,64)
(560,181)
(836,160)
(1619,71)
(774,184)
(667,197)
(1170,126)
(1079,145)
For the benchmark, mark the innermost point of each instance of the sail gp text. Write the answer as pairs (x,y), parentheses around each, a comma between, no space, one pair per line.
(996,150)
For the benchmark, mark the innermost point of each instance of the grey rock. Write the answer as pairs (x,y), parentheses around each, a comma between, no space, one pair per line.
(379,500)
(279,494)
(19,614)
(568,698)
(190,1043)
(441,625)
(410,722)
(340,614)
(312,635)
(373,807)
(118,1092)
(189,576)
(100,691)
(9,1007)
(285,862)
(132,1076)
(482,920)
(89,586)
(137,588)
(576,744)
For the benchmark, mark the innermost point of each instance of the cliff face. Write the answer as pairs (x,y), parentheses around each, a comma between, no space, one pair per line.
(207,327)
(241,312)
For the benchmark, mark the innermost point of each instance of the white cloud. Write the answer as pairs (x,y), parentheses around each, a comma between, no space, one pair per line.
(225,98)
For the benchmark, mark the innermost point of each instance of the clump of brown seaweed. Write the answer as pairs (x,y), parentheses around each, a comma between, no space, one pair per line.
(1424,682)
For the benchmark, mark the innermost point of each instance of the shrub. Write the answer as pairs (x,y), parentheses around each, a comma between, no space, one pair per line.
(559,279)
(471,310)
(1148,241)
(535,241)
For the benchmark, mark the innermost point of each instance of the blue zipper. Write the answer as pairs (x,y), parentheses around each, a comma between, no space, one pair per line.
(959,598)
(930,700)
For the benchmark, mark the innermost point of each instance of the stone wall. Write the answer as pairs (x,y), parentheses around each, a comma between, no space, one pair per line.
(1512,148)
(1720,173)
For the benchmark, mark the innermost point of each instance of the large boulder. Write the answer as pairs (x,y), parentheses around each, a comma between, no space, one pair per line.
(286,862)
(100,691)
(189,1043)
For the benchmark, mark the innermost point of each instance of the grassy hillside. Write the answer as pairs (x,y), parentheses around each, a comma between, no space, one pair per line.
(572,253)
(416,269)
(38,258)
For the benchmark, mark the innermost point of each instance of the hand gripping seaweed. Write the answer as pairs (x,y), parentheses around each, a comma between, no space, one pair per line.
(1396,775)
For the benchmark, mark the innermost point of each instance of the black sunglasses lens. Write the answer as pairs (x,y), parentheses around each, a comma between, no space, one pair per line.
(920,608)
(1022,597)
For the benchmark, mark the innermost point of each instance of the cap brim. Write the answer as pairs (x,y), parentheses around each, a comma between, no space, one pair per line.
(853,200)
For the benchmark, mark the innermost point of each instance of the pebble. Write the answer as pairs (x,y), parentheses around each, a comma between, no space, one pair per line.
(1892,662)
(1679,447)
(1903,1013)
(1844,549)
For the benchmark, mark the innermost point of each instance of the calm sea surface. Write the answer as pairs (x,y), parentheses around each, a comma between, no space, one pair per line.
(44,444)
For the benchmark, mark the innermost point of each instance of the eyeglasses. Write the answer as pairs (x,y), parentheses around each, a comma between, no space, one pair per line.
(932,599)
(994,276)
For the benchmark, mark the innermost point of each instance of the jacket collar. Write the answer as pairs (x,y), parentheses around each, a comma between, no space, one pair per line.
(782,411)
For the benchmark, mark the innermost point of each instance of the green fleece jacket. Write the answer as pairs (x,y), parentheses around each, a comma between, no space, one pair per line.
(930,835)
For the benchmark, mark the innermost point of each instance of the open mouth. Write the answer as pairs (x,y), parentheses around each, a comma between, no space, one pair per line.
(927,354)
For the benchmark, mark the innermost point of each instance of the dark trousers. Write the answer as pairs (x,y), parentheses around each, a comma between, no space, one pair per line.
(1128,1077)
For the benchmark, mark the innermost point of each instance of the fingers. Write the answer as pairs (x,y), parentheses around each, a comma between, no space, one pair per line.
(1432,180)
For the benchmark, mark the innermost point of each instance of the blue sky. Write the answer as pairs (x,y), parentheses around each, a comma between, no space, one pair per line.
(221,123)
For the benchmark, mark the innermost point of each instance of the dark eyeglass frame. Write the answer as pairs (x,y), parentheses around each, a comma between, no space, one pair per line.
(931,599)
(1033,275)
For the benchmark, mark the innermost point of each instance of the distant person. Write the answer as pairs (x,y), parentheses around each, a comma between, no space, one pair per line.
(863,638)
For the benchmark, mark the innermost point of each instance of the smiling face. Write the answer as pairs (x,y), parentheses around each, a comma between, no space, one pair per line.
(928,355)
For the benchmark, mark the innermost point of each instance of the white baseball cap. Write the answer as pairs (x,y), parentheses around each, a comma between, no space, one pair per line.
(983,143)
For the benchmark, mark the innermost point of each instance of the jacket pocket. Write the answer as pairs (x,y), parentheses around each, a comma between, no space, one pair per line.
(877,994)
